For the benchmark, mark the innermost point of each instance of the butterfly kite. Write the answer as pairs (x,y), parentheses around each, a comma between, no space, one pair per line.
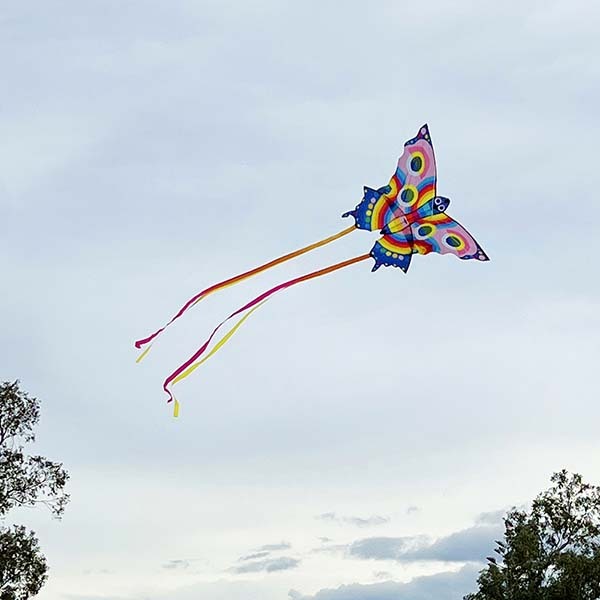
(408,212)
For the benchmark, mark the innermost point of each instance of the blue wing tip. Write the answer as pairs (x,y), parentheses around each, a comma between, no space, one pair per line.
(400,263)
(423,134)
(480,255)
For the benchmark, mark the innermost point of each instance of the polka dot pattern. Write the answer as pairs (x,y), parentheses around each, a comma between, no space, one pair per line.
(409,213)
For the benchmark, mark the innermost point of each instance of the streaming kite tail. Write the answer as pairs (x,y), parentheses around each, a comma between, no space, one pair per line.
(141,343)
(190,365)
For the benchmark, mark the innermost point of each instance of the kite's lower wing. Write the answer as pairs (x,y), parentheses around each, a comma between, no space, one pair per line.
(393,250)
(442,234)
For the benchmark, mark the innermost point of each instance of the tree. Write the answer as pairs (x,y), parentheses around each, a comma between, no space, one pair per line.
(23,568)
(25,480)
(551,552)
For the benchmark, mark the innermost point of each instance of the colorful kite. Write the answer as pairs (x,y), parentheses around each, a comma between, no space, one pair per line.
(407,211)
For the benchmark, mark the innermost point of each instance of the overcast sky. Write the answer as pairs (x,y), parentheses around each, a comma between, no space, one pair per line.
(346,443)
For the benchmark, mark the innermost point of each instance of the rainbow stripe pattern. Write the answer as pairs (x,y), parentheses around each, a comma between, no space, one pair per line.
(410,214)
(407,211)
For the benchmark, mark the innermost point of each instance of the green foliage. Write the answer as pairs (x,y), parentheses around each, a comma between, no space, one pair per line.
(25,480)
(551,552)
(23,569)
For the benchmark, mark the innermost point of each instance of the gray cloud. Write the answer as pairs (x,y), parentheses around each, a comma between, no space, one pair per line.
(98,572)
(331,549)
(94,597)
(495,517)
(268,566)
(356,521)
(176,564)
(442,586)
(467,545)
(368,522)
(412,510)
(328,516)
(254,556)
(260,561)
(274,547)
(387,548)
(470,544)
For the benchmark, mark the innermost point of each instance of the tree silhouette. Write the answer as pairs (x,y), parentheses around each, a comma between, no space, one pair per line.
(25,480)
(551,552)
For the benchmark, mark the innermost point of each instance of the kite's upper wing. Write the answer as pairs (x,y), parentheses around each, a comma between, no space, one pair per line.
(374,210)
(440,233)
(412,186)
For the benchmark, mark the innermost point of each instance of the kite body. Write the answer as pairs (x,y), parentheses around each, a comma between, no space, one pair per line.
(409,214)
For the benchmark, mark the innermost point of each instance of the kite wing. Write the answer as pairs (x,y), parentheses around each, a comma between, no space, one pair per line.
(393,250)
(412,186)
(442,234)
(412,219)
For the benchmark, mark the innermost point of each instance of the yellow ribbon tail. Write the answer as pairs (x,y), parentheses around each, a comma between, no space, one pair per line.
(217,347)
(141,357)
(175,408)
(238,279)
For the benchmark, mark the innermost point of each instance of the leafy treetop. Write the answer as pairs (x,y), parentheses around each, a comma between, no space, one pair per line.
(26,480)
(551,552)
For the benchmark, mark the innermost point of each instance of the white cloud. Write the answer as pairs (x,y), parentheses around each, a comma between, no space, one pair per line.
(269,565)
(370,521)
